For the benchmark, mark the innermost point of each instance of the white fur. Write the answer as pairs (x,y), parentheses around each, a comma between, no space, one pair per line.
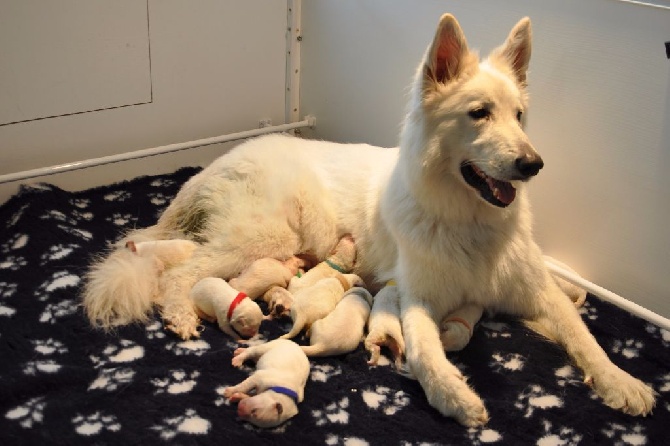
(384,326)
(341,331)
(212,298)
(411,212)
(265,273)
(279,363)
(317,301)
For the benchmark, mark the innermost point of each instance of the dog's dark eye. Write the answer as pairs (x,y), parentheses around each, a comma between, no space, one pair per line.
(518,115)
(479,113)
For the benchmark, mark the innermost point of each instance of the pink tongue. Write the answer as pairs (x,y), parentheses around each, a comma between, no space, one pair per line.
(502,190)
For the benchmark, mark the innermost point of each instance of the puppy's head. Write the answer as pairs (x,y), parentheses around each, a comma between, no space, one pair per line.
(267,409)
(466,118)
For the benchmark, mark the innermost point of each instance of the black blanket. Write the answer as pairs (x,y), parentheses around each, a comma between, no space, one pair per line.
(63,382)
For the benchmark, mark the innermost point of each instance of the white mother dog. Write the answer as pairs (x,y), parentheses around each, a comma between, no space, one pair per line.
(446,215)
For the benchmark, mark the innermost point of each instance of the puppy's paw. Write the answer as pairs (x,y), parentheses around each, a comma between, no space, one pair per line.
(621,391)
(454,336)
(375,352)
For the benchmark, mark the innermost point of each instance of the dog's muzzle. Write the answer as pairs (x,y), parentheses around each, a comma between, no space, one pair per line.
(498,193)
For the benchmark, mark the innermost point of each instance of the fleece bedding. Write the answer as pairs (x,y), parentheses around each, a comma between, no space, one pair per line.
(64,382)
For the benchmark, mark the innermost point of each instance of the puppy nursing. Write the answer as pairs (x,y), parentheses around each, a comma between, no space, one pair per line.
(278,383)
(342,330)
(216,301)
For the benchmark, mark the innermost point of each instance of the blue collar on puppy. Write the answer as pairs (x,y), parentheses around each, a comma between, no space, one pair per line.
(285,391)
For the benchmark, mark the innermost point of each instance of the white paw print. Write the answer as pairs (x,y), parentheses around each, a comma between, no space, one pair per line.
(189,423)
(220,399)
(558,435)
(86,216)
(58,280)
(480,435)
(120,195)
(630,348)
(155,330)
(13,263)
(664,383)
(112,378)
(58,252)
(659,333)
(16,241)
(588,311)
(120,219)
(95,423)
(52,312)
(14,219)
(623,435)
(176,383)
(162,182)
(334,413)
(29,414)
(85,235)
(81,203)
(58,216)
(567,375)
(45,348)
(323,372)
(193,347)
(7,289)
(158,198)
(336,440)
(496,329)
(125,351)
(385,399)
(534,397)
(511,362)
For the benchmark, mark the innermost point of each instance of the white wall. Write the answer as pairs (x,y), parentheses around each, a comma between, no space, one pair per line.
(216,67)
(600,99)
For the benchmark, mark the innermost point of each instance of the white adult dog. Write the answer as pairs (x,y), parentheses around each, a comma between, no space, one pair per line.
(446,215)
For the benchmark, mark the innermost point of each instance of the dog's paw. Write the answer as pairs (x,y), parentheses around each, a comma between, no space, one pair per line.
(375,352)
(454,336)
(182,321)
(452,397)
(621,391)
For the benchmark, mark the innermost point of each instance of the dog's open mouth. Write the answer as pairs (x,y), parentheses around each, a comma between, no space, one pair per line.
(498,193)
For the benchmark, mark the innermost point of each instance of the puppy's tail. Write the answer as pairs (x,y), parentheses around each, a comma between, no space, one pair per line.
(298,325)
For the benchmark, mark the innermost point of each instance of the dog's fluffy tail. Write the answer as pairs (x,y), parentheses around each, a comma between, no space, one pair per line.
(121,286)
(121,289)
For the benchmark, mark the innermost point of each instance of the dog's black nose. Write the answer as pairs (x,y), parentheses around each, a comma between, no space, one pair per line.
(529,166)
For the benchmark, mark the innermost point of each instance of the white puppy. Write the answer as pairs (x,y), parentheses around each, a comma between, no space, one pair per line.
(384,326)
(340,261)
(341,330)
(315,302)
(279,382)
(237,315)
(456,329)
(266,273)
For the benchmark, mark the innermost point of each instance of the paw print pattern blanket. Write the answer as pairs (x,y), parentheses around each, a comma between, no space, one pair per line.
(63,382)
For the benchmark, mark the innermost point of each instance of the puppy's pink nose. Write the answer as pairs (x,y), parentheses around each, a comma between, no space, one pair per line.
(243,410)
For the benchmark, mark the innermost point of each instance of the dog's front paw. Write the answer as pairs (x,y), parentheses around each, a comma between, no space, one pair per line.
(456,399)
(621,391)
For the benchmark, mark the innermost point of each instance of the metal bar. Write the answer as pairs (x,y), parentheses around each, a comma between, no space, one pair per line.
(77,165)
(608,296)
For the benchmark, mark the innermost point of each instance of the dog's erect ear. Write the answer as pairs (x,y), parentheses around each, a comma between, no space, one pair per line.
(516,49)
(446,57)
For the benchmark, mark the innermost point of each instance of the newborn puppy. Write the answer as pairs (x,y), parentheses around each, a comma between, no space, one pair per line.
(265,273)
(279,302)
(237,315)
(456,329)
(315,302)
(341,261)
(342,330)
(384,327)
(279,382)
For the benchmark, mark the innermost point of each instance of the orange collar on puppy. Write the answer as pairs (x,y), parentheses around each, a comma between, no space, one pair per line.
(239,298)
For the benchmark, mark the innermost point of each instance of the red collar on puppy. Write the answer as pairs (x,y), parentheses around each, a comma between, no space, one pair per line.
(235,303)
